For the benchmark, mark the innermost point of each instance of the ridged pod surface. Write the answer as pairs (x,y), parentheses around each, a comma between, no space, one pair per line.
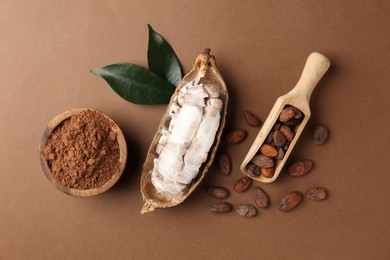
(159,169)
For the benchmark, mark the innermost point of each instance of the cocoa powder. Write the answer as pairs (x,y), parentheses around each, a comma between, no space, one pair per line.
(83,151)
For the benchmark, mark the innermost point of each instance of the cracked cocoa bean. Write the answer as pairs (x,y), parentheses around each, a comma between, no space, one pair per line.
(317,193)
(246,210)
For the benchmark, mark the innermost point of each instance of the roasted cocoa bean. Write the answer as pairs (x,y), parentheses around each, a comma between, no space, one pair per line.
(286,131)
(225,164)
(253,169)
(276,126)
(300,168)
(293,122)
(267,172)
(251,119)
(221,207)
(261,198)
(287,113)
(263,161)
(246,210)
(218,192)
(279,138)
(317,193)
(242,184)
(321,134)
(290,201)
(286,146)
(270,137)
(236,136)
(268,150)
(280,154)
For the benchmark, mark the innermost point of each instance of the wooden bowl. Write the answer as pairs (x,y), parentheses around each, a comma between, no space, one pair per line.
(76,192)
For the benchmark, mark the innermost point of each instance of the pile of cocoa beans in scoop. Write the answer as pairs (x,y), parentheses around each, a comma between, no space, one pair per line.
(261,199)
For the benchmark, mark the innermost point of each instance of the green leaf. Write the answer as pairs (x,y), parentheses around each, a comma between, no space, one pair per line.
(136,84)
(162,60)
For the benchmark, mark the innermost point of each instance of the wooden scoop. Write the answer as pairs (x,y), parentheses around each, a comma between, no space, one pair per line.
(299,97)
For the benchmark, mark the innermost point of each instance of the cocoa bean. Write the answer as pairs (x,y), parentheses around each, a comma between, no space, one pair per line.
(218,192)
(279,138)
(317,193)
(251,119)
(286,146)
(225,164)
(293,121)
(263,161)
(300,168)
(253,169)
(270,137)
(290,201)
(286,131)
(246,210)
(286,114)
(221,207)
(280,154)
(261,198)
(242,184)
(267,172)
(321,134)
(268,150)
(276,126)
(236,136)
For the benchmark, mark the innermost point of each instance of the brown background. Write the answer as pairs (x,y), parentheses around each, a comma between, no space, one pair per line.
(47,49)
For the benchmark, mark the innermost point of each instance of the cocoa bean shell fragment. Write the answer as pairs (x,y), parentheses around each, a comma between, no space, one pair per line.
(290,201)
(317,193)
(245,210)
(221,207)
(218,192)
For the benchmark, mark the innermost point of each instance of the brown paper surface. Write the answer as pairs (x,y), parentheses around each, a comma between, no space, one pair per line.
(47,49)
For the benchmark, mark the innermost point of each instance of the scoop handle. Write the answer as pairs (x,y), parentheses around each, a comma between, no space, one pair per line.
(316,66)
